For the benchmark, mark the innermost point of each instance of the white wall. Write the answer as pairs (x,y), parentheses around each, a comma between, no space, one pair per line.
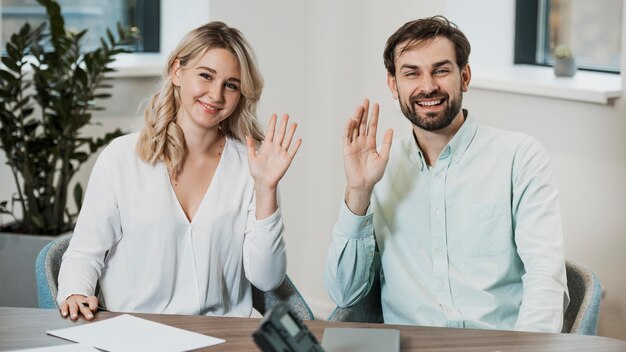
(320,58)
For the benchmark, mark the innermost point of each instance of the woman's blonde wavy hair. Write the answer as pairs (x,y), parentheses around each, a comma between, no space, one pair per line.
(161,139)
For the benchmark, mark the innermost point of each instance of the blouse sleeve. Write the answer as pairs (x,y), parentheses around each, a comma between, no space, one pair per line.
(264,255)
(97,230)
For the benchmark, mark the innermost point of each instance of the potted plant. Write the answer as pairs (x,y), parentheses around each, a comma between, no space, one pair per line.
(564,61)
(48,89)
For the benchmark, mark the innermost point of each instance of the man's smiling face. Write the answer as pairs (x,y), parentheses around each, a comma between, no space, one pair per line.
(428,83)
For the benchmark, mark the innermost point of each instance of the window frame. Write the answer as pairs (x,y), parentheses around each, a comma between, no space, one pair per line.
(147,18)
(531,22)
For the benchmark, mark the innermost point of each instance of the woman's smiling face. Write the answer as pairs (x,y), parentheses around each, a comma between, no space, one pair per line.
(209,87)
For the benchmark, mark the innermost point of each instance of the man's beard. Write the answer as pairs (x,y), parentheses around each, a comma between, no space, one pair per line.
(431,121)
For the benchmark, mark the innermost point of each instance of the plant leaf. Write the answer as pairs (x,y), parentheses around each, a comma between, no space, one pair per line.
(37,220)
(78,195)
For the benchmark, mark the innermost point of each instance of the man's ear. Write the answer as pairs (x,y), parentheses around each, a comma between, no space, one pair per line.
(466,77)
(393,86)
(175,73)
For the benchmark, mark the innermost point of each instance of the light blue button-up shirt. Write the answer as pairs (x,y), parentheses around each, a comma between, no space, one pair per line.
(474,241)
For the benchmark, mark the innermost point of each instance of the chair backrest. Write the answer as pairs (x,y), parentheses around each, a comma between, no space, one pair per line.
(581,316)
(47,271)
(49,261)
(585,292)
(287,293)
(368,309)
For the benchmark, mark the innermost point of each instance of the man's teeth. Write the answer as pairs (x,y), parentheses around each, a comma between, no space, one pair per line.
(429,103)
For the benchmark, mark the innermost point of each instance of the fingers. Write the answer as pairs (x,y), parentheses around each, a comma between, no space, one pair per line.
(386,147)
(64,309)
(93,303)
(269,134)
(73,310)
(363,118)
(348,132)
(85,311)
(358,125)
(373,125)
(358,116)
(282,137)
(250,145)
(281,129)
(295,148)
(289,137)
(76,305)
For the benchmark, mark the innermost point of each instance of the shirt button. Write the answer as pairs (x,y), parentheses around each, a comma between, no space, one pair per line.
(441,284)
(438,250)
(370,254)
(437,211)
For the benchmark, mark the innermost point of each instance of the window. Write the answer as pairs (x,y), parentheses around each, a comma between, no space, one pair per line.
(96,15)
(592,31)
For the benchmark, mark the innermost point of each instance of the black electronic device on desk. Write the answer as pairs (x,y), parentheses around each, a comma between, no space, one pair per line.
(283,331)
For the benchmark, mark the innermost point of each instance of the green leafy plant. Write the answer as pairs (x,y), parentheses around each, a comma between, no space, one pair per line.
(563,52)
(48,89)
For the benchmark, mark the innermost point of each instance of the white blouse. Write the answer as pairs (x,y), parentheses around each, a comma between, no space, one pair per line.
(133,236)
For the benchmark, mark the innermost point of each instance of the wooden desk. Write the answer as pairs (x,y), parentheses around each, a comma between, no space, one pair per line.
(26,328)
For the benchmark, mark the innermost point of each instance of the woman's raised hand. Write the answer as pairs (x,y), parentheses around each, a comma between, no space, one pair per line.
(270,162)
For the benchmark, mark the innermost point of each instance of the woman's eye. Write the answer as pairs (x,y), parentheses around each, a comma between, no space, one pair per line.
(232,86)
(206,76)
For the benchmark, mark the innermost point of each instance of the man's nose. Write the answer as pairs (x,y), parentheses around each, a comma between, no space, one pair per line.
(428,84)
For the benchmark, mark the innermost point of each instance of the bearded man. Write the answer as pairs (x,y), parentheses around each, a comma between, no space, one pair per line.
(465,217)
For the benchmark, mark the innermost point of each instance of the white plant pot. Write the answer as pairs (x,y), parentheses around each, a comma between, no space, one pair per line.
(18,253)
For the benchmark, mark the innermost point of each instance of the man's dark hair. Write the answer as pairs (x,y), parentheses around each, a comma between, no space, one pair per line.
(415,32)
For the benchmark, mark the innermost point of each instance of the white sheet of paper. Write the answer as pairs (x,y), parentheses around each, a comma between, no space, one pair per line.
(129,333)
(73,347)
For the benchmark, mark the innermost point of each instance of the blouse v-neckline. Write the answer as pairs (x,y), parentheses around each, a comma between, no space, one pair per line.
(181,211)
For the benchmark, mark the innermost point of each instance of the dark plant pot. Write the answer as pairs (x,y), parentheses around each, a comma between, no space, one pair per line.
(18,253)
(564,67)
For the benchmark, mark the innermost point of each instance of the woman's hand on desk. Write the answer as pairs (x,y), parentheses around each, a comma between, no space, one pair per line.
(79,304)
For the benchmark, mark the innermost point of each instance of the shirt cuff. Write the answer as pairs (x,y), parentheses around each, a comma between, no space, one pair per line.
(355,226)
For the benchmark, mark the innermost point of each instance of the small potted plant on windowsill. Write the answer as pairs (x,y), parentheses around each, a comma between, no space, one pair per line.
(48,88)
(564,61)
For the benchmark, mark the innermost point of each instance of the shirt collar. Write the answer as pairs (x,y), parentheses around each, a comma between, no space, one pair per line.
(461,140)
(414,152)
(455,148)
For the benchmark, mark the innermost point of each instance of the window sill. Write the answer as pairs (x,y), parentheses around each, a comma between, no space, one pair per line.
(585,86)
(138,65)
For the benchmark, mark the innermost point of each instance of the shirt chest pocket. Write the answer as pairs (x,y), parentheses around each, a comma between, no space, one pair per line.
(486,229)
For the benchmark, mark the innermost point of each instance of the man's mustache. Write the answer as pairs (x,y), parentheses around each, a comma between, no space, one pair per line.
(432,95)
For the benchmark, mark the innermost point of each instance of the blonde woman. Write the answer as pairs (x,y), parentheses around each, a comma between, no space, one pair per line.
(183,217)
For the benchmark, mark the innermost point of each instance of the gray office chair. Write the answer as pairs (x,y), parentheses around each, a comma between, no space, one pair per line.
(49,261)
(581,316)
(368,309)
